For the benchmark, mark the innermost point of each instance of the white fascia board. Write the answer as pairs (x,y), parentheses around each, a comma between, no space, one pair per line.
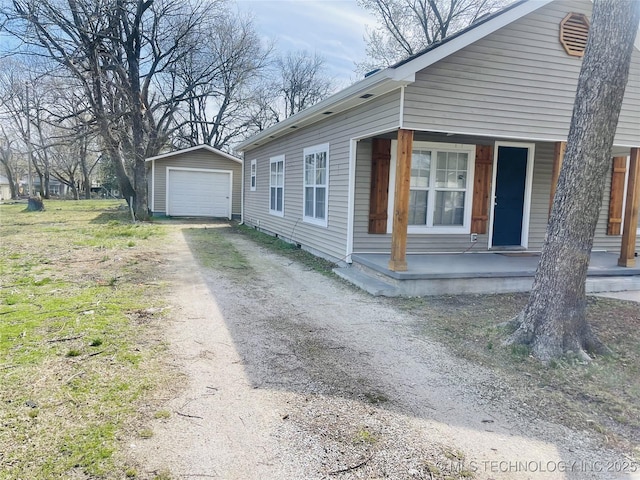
(378,79)
(409,69)
(209,148)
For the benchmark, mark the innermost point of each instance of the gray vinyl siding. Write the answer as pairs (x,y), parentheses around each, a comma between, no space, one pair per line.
(517,82)
(195,159)
(374,116)
(416,243)
(540,203)
(434,243)
(540,193)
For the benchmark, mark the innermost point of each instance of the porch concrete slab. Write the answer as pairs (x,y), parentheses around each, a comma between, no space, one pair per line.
(483,265)
(477,273)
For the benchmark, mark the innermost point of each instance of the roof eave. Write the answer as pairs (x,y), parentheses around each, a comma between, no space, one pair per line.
(466,37)
(380,82)
(209,148)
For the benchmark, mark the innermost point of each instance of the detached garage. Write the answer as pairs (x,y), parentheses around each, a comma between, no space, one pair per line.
(195,182)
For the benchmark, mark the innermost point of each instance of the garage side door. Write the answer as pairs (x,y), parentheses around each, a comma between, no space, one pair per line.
(198,194)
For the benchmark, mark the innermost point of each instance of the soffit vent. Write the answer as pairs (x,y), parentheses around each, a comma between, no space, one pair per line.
(574,30)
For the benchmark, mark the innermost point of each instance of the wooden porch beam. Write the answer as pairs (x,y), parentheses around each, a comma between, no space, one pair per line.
(557,165)
(398,261)
(628,247)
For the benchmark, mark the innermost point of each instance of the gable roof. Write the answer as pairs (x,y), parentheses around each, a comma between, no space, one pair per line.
(208,148)
(398,75)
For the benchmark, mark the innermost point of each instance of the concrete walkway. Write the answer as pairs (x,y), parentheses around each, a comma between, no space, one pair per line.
(632,295)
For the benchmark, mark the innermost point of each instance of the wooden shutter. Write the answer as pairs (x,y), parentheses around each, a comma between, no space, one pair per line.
(379,199)
(482,189)
(616,198)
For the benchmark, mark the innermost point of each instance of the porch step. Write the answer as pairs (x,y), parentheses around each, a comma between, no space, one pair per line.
(368,283)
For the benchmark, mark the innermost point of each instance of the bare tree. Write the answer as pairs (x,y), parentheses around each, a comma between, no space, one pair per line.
(38,134)
(409,26)
(224,74)
(117,50)
(264,109)
(73,141)
(22,100)
(301,81)
(553,321)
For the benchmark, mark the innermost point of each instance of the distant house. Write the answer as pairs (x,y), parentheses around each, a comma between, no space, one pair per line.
(199,181)
(5,189)
(483,117)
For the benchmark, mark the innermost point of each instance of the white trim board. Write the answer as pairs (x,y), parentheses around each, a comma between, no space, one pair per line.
(153,187)
(208,148)
(351,197)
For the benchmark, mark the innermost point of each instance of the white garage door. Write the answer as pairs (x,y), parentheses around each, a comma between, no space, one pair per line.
(192,193)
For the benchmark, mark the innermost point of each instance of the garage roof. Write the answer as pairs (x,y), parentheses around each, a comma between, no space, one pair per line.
(208,148)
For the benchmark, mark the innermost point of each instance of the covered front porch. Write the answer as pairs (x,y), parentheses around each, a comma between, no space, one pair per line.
(449,214)
(475,273)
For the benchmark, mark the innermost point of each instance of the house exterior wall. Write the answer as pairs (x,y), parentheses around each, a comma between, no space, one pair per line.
(194,159)
(451,243)
(416,243)
(517,82)
(379,114)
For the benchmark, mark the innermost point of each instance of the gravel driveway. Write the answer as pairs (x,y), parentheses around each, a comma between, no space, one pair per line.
(293,375)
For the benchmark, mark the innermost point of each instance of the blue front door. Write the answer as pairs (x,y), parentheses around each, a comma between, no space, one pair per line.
(511,175)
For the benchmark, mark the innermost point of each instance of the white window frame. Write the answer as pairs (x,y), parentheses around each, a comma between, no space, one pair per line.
(272,160)
(322,222)
(435,147)
(253,175)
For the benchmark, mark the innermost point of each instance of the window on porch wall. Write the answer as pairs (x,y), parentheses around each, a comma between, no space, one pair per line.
(438,188)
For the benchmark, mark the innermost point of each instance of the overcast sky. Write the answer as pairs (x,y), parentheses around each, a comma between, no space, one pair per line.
(333,28)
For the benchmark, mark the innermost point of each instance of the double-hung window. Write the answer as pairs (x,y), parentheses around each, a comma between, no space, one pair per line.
(440,190)
(316,184)
(276,185)
(254,171)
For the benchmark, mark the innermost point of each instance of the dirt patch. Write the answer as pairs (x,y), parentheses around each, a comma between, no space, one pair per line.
(293,376)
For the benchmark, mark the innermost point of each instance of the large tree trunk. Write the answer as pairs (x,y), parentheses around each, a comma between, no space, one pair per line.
(12,187)
(121,174)
(86,179)
(132,48)
(12,183)
(47,184)
(553,322)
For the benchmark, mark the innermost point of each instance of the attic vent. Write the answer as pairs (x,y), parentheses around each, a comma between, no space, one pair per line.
(574,30)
